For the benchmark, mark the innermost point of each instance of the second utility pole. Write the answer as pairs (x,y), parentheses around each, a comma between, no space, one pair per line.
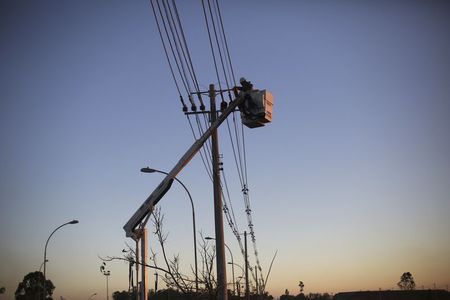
(218,215)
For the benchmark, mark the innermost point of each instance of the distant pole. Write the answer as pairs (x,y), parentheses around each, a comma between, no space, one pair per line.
(230,263)
(106,273)
(232,271)
(107,285)
(256,274)
(218,215)
(247,295)
(156,282)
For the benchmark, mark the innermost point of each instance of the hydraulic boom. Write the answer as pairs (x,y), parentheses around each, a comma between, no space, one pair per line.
(146,208)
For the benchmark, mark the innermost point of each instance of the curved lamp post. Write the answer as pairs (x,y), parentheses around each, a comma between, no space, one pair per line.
(232,262)
(150,170)
(45,249)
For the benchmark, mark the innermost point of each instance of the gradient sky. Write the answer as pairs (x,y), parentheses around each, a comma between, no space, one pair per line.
(350,183)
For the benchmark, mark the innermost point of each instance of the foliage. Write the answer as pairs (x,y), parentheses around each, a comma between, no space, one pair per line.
(179,285)
(311,296)
(32,287)
(302,286)
(2,290)
(173,294)
(406,282)
(123,295)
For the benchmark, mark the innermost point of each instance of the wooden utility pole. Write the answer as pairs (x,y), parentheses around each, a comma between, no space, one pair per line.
(144,269)
(137,268)
(218,211)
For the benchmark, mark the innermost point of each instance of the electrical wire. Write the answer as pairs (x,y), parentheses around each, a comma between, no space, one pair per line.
(180,56)
(175,43)
(226,43)
(167,55)
(211,44)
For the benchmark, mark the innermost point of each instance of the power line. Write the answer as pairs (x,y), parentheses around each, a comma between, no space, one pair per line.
(226,43)
(167,56)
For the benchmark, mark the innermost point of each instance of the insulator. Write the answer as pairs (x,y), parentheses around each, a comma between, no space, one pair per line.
(193,107)
(223,105)
(185,108)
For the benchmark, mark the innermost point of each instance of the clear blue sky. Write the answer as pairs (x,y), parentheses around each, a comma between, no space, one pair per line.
(350,183)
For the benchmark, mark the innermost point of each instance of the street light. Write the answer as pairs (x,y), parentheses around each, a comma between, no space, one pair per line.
(236,283)
(240,267)
(107,274)
(150,170)
(45,250)
(232,262)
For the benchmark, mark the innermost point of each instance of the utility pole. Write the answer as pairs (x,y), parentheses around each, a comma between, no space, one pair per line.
(144,270)
(261,102)
(218,211)
(137,268)
(247,295)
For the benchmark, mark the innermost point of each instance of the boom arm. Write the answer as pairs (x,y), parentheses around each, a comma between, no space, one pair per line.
(147,207)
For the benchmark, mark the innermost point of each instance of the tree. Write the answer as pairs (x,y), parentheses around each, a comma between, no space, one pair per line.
(301,285)
(2,290)
(123,295)
(406,282)
(179,284)
(32,287)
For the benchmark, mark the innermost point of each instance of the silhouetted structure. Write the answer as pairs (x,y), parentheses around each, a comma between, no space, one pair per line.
(395,295)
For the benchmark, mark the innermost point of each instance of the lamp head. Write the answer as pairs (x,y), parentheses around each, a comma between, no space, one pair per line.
(148,170)
(73,222)
(209,238)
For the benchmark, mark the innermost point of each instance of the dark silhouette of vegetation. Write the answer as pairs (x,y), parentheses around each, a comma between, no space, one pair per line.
(394,295)
(32,287)
(172,294)
(124,295)
(406,282)
(301,296)
(180,285)
(2,290)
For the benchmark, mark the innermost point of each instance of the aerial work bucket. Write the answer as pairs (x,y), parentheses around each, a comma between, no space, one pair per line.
(257,107)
